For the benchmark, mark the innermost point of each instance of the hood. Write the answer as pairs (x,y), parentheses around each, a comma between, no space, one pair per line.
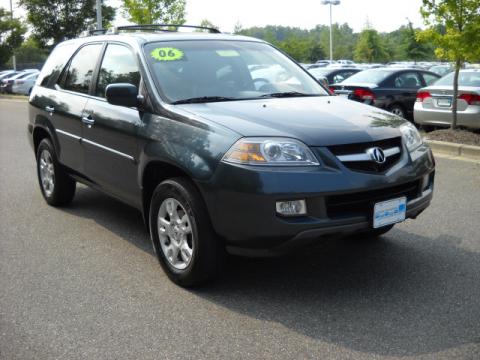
(317,121)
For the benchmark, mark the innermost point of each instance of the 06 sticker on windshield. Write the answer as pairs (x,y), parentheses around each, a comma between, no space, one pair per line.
(167,54)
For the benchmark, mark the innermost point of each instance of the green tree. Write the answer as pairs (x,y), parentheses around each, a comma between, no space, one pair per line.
(461,38)
(316,53)
(207,23)
(31,52)
(54,21)
(415,48)
(370,47)
(155,11)
(11,35)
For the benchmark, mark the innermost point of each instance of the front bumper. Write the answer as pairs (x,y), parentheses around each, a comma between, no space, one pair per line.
(241,200)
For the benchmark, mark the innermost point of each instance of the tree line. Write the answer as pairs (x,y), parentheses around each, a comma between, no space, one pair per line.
(368,46)
(53,21)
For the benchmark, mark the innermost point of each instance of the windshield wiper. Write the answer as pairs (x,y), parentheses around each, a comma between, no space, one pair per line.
(202,99)
(288,94)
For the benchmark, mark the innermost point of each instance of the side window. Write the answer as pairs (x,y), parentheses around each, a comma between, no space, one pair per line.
(338,78)
(55,64)
(429,78)
(80,72)
(118,66)
(409,80)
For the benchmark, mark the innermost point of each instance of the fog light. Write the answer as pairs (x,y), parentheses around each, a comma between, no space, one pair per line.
(291,208)
(425,182)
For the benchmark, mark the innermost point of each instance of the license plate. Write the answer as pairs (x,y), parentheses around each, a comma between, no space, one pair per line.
(444,102)
(343,95)
(389,212)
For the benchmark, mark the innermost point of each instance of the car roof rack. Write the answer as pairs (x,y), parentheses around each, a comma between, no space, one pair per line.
(158,27)
(97,32)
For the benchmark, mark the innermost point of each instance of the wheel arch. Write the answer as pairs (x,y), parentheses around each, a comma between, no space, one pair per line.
(154,173)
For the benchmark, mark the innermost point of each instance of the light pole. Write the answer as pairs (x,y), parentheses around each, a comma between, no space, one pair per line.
(331,2)
(14,59)
(99,14)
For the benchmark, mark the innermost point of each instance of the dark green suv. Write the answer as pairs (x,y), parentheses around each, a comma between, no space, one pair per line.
(224,143)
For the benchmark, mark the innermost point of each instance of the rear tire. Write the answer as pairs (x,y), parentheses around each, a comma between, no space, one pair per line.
(58,189)
(186,246)
(398,110)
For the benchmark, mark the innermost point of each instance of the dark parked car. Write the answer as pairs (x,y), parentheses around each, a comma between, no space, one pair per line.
(391,89)
(175,125)
(333,75)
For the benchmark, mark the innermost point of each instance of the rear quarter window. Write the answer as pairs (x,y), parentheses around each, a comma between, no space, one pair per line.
(55,64)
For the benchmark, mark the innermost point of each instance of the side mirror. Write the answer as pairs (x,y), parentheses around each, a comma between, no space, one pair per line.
(122,94)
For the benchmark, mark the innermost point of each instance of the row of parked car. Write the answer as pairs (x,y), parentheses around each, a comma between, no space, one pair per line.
(410,92)
(440,68)
(18,82)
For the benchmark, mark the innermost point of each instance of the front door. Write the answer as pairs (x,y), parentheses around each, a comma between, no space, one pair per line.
(110,132)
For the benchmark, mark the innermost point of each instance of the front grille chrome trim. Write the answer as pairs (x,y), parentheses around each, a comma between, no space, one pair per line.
(365,157)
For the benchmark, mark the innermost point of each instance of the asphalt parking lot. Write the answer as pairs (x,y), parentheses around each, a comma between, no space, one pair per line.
(82,282)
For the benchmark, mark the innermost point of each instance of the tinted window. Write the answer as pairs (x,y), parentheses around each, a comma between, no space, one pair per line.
(80,71)
(372,76)
(118,66)
(429,78)
(408,80)
(55,64)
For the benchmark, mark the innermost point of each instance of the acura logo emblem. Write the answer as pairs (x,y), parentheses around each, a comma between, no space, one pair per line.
(377,155)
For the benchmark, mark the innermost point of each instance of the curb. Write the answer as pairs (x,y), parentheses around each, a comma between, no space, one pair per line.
(13,97)
(453,149)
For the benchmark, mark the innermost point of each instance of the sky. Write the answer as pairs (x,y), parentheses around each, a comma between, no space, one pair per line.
(383,15)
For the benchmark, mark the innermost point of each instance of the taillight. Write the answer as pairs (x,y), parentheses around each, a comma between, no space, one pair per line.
(422,95)
(364,94)
(471,99)
(19,82)
(332,90)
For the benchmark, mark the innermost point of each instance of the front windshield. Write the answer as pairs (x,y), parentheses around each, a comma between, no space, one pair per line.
(465,78)
(211,70)
(372,76)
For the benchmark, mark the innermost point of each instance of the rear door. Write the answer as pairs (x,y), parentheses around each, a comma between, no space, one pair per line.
(66,103)
(405,87)
(109,131)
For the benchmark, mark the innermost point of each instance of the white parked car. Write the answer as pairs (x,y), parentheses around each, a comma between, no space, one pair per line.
(434,103)
(24,85)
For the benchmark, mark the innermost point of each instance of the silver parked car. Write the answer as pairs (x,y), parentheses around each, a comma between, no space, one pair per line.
(434,103)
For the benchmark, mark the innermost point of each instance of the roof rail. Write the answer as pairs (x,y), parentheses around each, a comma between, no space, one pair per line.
(97,31)
(158,27)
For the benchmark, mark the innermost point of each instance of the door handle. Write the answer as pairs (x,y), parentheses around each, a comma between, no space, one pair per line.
(88,120)
(49,109)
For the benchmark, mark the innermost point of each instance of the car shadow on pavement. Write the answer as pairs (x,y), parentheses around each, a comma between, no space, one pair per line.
(119,218)
(401,295)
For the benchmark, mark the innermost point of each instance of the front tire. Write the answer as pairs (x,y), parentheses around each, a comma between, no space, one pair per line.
(58,189)
(186,246)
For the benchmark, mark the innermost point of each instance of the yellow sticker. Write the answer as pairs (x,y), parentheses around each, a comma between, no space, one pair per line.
(228,53)
(167,54)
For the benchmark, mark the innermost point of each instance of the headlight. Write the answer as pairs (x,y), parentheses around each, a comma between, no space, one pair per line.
(411,136)
(270,151)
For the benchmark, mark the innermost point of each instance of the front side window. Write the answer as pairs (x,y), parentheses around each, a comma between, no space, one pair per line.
(231,70)
(118,66)
(80,72)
